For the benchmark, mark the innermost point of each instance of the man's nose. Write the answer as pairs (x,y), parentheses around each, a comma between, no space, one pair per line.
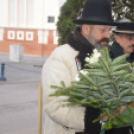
(107,35)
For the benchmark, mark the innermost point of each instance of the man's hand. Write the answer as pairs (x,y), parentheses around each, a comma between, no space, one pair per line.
(121,111)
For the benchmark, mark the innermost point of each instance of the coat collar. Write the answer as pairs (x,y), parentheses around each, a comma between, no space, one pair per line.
(79,42)
(117,50)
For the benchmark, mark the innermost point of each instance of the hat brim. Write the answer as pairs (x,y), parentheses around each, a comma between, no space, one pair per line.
(95,22)
(124,32)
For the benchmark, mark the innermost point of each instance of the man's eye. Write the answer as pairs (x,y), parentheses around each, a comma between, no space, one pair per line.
(103,30)
(130,38)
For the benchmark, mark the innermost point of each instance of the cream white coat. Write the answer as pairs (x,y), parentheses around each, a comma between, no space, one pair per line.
(60,66)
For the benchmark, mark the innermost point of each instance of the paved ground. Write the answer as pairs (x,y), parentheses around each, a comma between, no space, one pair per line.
(19,95)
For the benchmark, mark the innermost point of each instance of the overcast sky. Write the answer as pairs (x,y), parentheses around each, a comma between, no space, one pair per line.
(61,2)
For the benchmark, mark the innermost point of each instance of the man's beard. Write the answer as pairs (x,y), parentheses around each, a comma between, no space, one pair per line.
(103,41)
(94,42)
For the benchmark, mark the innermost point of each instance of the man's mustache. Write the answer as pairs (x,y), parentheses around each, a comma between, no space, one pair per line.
(104,40)
(132,45)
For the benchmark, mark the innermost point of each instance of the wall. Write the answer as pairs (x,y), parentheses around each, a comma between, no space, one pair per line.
(17,23)
(29,38)
(4,13)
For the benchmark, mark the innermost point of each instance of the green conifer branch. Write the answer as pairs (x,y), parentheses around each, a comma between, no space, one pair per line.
(107,85)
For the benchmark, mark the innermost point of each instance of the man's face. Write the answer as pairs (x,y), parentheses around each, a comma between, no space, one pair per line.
(98,34)
(126,42)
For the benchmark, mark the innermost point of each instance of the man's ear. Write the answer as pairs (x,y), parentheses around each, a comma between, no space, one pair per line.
(85,29)
(117,38)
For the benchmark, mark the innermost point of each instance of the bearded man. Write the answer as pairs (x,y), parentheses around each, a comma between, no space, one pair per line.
(64,64)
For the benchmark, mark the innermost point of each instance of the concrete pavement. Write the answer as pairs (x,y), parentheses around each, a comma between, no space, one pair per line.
(19,95)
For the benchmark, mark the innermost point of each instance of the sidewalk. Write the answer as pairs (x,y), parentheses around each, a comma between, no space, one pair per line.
(19,95)
(26,70)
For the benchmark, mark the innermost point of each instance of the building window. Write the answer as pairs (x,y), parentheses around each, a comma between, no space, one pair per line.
(20,35)
(29,36)
(22,8)
(12,8)
(51,19)
(11,35)
(30,11)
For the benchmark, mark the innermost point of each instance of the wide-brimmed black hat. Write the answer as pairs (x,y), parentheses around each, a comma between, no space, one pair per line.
(125,28)
(96,12)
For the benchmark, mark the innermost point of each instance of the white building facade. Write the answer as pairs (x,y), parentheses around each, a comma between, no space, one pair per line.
(31,23)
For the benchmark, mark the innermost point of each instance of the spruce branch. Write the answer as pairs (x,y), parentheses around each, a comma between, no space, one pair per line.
(107,85)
